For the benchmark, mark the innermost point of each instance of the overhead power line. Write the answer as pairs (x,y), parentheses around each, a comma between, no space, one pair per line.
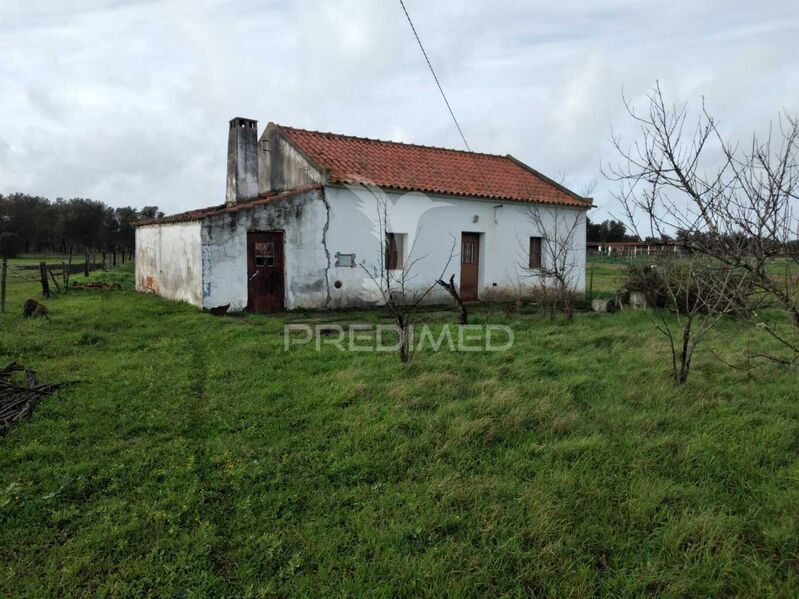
(432,70)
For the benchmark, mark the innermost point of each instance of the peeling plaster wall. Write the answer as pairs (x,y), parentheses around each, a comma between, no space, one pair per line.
(433,223)
(205,262)
(303,220)
(168,261)
(282,167)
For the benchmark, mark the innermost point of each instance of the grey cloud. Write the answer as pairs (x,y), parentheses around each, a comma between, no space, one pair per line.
(128,101)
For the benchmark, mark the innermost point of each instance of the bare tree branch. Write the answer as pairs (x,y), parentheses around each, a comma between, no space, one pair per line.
(401,298)
(735,205)
(557,229)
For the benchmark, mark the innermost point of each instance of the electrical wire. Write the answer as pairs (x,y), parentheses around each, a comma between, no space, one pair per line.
(432,70)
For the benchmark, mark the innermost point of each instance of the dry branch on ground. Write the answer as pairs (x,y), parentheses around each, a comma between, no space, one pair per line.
(18,400)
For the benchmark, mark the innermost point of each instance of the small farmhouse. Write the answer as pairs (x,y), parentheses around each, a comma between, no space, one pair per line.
(310,216)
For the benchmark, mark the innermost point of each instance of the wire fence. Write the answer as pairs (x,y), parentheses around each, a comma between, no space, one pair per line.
(29,278)
(632,253)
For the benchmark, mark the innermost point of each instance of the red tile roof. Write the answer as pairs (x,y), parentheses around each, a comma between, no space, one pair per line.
(422,168)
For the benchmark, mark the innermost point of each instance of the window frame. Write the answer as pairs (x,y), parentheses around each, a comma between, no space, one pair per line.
(265,254)
(469,257)
(395,251)
(535,253)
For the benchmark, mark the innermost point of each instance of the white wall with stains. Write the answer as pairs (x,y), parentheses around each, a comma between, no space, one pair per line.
(168,261)
(205,262)
(281,166)
(302,218)
(433,225)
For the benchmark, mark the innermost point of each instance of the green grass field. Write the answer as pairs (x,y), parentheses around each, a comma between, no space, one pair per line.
(195,457)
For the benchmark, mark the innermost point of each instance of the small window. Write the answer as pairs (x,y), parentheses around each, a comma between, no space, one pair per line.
(468,251)
(395,251)
(265,255)
(535,252)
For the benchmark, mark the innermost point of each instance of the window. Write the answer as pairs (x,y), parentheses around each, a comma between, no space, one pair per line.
(395,251)
(468,251)
(265,254)
(535,252)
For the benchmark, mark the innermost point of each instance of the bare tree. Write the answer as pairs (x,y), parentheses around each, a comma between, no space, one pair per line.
(738,206)
(400,295)
(697,292)
(554,263)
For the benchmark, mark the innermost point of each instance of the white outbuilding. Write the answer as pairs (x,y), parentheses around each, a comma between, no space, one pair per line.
(310,218)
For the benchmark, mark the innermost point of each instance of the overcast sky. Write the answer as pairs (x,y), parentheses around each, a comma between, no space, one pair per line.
(127,101)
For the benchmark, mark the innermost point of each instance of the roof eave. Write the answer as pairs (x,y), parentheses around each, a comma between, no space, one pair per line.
(203,213)
(497,198)
(588,201)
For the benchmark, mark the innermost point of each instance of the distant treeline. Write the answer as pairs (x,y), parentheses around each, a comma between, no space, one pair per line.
(32,224)
(608,231)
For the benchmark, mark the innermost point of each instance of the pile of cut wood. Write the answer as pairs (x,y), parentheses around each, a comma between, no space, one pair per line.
(18,401)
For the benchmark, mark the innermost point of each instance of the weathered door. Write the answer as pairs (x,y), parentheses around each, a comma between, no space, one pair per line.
(470,265)
(265,278)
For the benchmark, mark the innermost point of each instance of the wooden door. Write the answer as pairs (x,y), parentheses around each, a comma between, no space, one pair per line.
(265,278)
(470,265)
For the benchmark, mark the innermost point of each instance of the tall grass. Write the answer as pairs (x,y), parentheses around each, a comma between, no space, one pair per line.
(195,456)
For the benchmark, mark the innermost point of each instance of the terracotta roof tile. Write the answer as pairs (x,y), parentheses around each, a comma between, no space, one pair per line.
(422,168)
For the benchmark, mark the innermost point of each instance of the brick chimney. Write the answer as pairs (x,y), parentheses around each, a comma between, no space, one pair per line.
(242,161)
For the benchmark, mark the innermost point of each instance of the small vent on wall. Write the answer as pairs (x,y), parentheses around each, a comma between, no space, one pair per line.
(345,260)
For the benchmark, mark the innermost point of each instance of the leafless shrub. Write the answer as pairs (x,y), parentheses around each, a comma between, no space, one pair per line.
(736,206)
(558,266)
(696,293)
(648,279)
(401,297)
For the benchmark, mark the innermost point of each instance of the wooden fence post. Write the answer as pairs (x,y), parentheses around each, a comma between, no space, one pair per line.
(104,262)
(55,281)
(86,265)
(45,282)
(3,285)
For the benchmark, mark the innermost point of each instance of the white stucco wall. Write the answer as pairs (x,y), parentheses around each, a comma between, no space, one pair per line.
(168,261)
(431,223)
(205,262)
(301,217)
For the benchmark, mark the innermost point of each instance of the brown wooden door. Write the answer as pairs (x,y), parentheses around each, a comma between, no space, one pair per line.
(470,265)
(265,279)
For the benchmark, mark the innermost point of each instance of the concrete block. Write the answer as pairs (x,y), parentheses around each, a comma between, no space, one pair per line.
(637,299)
(603,304)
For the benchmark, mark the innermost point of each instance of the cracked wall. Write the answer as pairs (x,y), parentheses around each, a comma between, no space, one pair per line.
(205,263)
(302,218)
(433,225)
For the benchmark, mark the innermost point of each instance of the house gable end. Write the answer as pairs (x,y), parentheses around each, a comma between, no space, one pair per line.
(282,165)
